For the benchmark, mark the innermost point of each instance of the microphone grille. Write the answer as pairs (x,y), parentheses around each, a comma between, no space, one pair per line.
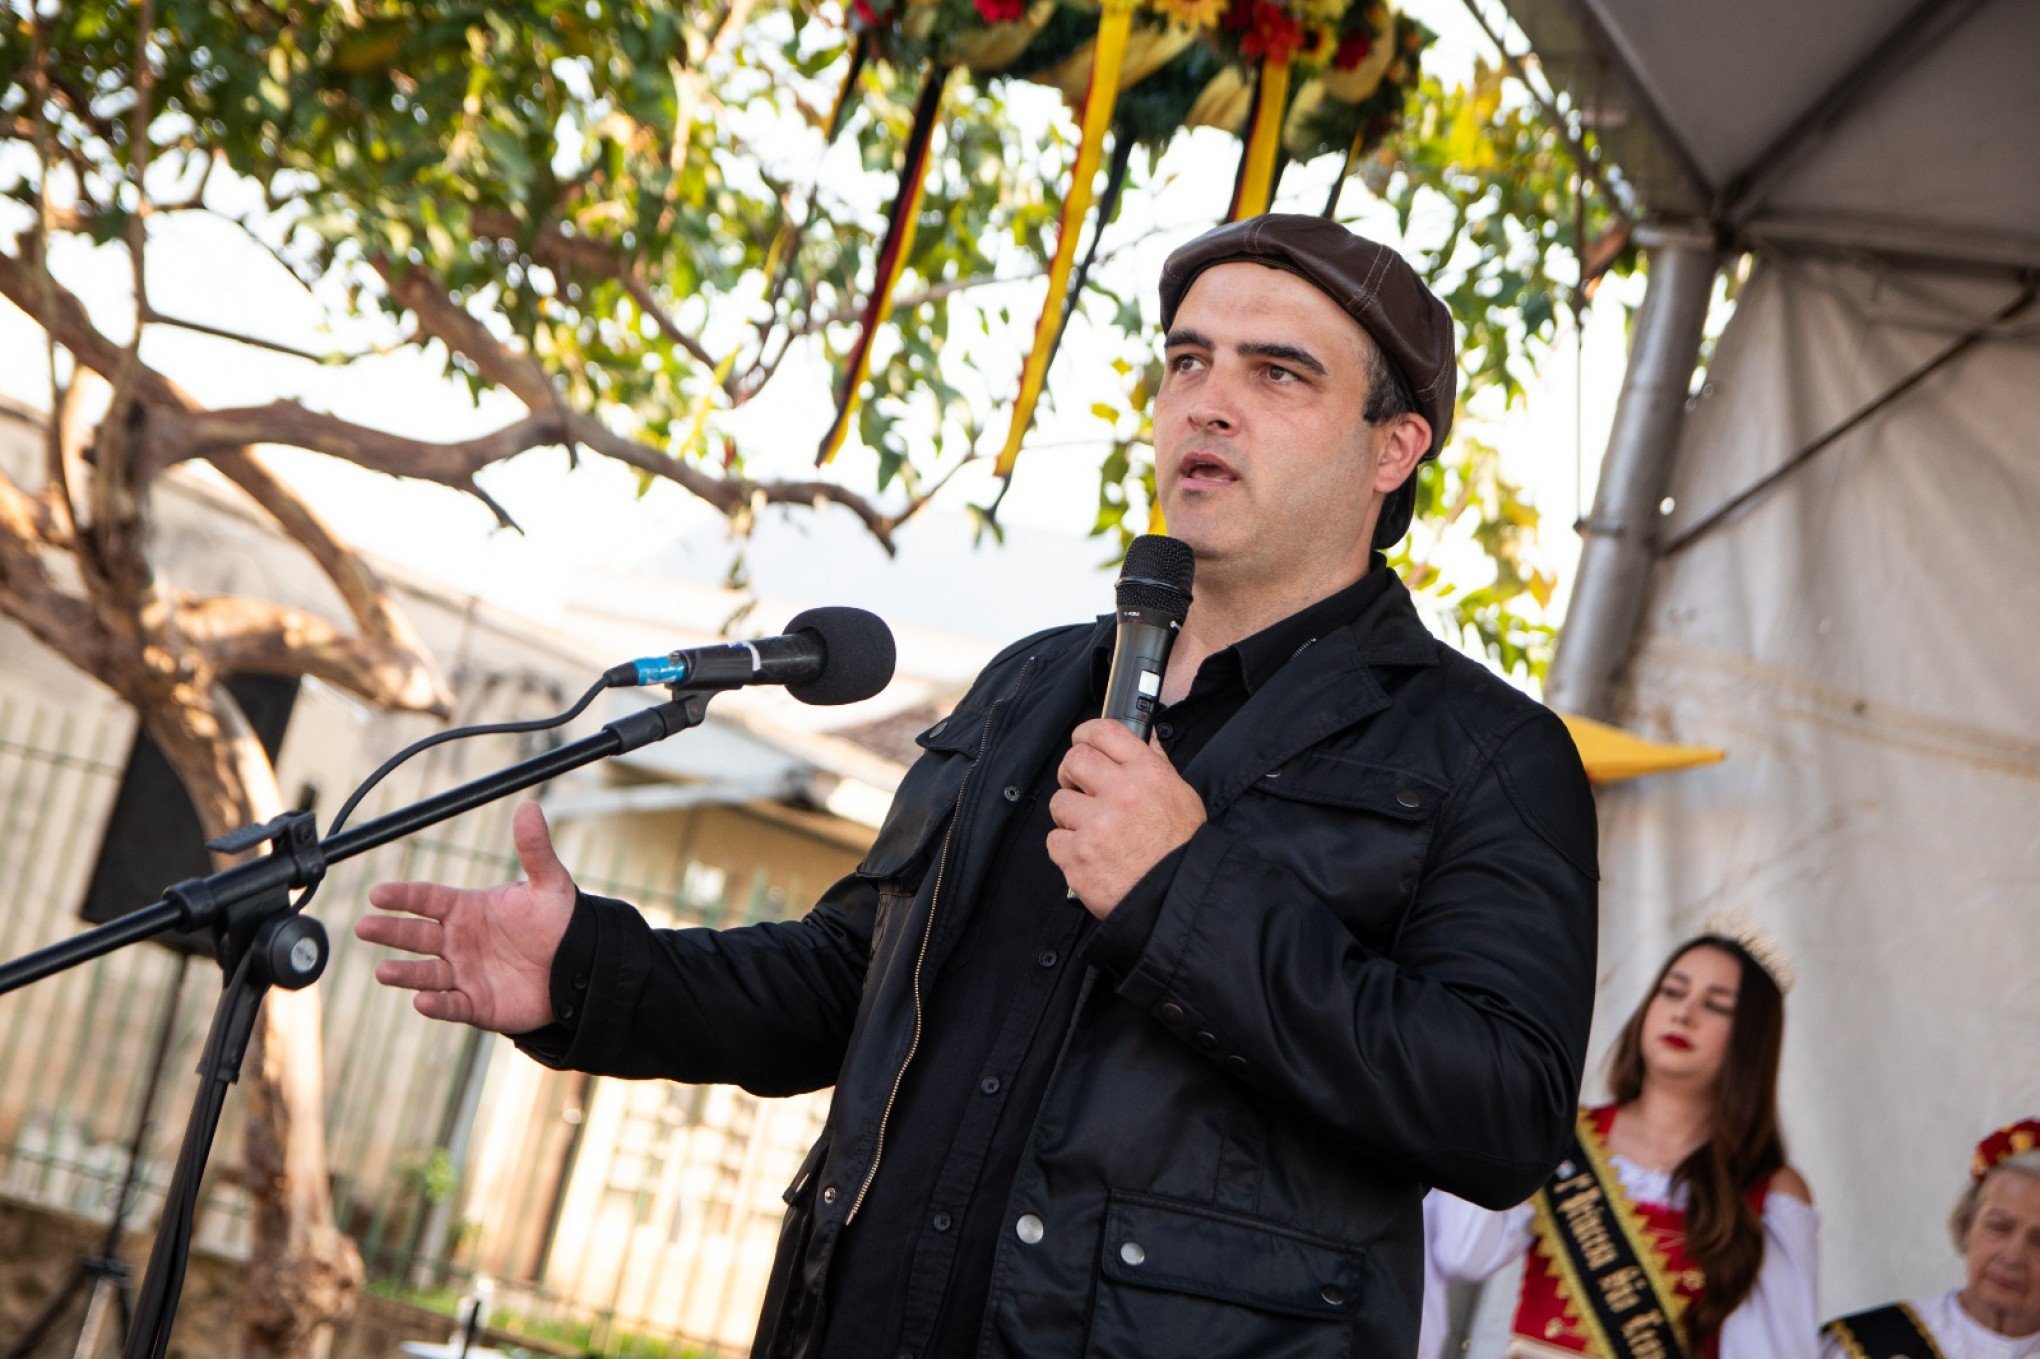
(1156,576)
(857,651)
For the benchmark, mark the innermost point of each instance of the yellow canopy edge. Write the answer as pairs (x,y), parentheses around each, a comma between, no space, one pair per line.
(1612,754)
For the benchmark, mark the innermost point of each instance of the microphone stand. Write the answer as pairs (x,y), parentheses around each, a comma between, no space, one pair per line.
(261,941)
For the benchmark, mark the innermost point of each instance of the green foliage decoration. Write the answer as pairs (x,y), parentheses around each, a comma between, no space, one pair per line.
(604,186)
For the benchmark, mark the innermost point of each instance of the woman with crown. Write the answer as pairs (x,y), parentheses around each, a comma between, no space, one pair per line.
(1673,1228)
(1996,1313)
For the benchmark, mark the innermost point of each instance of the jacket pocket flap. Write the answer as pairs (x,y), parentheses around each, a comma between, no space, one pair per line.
(1334,781)
(1189,1248)
(959,733)
(926,796)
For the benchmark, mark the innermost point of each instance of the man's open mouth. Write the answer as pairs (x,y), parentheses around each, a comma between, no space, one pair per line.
(1206,467)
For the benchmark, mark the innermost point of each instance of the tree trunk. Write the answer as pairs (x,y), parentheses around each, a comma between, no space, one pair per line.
(304,1274)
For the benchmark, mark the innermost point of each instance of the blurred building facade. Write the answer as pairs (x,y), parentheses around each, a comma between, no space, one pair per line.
(612,1214)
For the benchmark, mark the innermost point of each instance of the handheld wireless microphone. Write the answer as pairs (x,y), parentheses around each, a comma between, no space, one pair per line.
(1153,598)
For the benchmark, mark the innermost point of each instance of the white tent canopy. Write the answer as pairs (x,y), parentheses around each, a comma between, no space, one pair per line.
(1905,125)
(1860,633)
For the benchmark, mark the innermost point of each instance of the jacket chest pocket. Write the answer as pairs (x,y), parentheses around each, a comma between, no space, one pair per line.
(1355,833)
(1184,1279)
(908,847)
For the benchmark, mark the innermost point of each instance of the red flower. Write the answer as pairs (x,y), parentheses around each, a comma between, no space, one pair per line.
(1001,11)
(1275,34)
(1353,49)
(865,14)
(1238,14)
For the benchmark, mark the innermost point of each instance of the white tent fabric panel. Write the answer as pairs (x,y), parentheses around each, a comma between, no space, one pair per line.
(1865,642)
(1901,125)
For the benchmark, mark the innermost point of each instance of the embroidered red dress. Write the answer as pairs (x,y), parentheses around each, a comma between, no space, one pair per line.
(1540,1307)
(1778,1320)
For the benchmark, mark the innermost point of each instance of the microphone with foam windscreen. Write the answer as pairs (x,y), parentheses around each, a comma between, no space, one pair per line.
(1153,597)
(826,656)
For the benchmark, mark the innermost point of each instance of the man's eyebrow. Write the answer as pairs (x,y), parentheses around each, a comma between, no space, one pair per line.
(1267,349)
(1286,353)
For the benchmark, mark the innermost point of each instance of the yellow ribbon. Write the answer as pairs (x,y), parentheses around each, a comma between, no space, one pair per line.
(1108,56)
(1264,141)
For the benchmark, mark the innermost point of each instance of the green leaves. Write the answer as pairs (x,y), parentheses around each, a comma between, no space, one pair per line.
(640,200)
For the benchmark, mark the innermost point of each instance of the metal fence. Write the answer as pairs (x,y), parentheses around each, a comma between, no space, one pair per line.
(619,1217)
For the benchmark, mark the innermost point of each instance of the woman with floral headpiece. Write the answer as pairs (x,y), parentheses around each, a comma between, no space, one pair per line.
(1996,1314)
(1673,1227)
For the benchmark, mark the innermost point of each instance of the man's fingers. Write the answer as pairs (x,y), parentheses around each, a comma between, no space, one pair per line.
(1068,809)
(1060,843)
(1109,739)
(419,974)
(404,932)
(456,1007)
(1083,768)
(542,866)
(429,899)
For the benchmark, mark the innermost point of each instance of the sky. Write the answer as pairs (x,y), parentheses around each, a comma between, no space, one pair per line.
(591,545)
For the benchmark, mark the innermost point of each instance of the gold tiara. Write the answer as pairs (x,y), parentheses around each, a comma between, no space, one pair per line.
(1738,926)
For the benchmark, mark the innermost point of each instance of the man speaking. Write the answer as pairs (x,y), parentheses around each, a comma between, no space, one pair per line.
(1146,1049)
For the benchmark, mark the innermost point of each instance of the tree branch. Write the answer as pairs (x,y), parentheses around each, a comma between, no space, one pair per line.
(361,589)
(453,325)
(566,254)
(181,429)
(155,317)
(212,434)
(65,455)
(255,636)
(31,596)
(207,434)
(28,285)
(171,410)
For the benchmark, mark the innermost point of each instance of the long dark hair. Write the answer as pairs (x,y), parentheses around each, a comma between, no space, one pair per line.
(1723,1233)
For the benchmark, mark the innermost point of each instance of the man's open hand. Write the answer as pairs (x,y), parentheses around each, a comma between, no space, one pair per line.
(1121,809)
(486,953)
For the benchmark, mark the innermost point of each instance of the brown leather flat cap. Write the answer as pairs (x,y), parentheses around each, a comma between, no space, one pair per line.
(1372,283)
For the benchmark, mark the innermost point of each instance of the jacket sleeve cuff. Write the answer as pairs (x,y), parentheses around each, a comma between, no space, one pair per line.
(597,974)
(1117,943)
(1180,884)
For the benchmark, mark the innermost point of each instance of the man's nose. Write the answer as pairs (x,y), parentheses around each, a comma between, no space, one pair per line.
(1216,406)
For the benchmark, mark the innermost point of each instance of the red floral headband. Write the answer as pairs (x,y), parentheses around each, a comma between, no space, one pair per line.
(2004,1144)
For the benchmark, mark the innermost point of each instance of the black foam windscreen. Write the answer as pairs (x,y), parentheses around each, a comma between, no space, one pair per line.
(857,655)
(1156,576)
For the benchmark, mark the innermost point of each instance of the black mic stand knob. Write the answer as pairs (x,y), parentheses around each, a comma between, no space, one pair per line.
(291,950)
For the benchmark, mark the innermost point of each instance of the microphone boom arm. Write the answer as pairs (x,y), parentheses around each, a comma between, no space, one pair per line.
(263,941)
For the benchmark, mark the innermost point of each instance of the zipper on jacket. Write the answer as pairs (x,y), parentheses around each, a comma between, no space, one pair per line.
(928,933)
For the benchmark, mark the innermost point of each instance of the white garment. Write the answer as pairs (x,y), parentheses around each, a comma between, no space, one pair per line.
(1959,1335)
(1780,1319)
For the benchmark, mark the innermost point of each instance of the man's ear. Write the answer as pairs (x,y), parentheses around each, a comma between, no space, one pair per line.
(1399,447)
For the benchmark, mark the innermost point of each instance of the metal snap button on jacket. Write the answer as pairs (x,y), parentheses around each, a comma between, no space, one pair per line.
(1132,1253)
(1028,1228)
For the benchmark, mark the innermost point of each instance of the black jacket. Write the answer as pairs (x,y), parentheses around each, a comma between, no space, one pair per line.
(1371,972)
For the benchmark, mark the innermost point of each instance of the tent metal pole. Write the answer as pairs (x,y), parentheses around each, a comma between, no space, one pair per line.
(1615,559)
